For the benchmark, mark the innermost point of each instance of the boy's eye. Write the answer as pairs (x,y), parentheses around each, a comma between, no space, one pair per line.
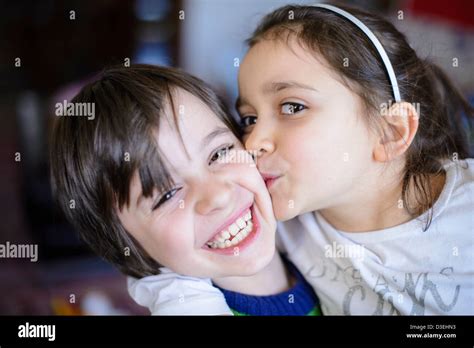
(219,154)
(166,197)
(248,121)
(292,108)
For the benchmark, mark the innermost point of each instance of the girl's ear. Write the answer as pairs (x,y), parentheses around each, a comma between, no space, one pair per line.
(399,129)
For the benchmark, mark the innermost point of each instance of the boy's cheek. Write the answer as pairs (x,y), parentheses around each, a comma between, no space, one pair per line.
(170,240)
(174,256)
(241,168)
(248,177)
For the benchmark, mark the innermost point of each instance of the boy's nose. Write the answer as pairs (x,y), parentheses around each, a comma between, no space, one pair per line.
(213,197)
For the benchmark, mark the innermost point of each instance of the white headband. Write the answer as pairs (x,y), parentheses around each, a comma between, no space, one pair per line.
(375,41)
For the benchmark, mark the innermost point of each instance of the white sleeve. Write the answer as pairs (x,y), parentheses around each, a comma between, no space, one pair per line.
(289,235)
(169,293)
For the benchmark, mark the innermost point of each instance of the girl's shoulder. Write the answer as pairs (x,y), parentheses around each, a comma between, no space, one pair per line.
(460,175)
(456,204)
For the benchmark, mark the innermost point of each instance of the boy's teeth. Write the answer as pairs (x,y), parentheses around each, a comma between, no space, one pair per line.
(234,234)
(242,234)
(248,216)
(240,223)
(233,229)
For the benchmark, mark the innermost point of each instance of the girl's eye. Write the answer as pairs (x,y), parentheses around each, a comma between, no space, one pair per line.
(219,154)
(166,197)
(292,108)
(248,121)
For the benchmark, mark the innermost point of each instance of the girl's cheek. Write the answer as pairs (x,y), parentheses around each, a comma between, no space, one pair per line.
(299,148)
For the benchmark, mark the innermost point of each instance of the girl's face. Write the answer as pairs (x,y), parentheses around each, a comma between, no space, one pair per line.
(314,147)
(217,221)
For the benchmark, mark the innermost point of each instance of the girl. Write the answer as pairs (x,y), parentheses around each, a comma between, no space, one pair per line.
(156,182)
(363,154)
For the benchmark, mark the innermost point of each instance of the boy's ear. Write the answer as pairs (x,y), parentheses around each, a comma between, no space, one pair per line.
(399,129)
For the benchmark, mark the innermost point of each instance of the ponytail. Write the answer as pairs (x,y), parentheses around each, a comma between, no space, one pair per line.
(453,107)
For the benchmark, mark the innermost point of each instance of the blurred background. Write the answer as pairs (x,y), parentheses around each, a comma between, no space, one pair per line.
(49,49)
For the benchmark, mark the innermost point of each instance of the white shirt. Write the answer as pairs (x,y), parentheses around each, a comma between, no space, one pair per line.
(169,293)
(398,270)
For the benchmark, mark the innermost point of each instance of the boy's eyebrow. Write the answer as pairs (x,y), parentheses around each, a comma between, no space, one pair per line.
(216,132)
(274,87)
(139,199)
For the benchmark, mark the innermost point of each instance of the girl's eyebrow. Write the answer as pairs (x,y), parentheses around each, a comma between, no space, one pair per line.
(274,87)
(239,102)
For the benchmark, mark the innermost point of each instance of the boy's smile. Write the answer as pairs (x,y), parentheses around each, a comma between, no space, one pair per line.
(236,235)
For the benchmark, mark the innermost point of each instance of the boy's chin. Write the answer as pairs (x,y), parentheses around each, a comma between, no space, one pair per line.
(248,267)
(253,266)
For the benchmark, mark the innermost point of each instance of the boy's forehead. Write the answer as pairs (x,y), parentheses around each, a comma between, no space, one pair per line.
(187,127)
(190,116)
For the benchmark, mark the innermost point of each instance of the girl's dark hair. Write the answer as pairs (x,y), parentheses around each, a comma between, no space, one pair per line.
(439,136)
(93,161)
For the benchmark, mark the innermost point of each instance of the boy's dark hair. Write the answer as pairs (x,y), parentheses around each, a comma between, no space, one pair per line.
(440,134)
(93,161)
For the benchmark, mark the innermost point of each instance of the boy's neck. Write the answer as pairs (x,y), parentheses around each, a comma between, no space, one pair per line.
(271,280)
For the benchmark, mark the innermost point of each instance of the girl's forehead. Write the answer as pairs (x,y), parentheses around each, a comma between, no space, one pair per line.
(278,48)
(271,65)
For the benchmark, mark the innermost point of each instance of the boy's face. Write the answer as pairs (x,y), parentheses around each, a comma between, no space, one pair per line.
(217,220)
(306,126)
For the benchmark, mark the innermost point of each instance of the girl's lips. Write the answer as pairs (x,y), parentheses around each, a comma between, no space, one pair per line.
(270,179)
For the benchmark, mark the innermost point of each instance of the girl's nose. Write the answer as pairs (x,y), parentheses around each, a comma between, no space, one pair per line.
(260,140)
(214,196)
